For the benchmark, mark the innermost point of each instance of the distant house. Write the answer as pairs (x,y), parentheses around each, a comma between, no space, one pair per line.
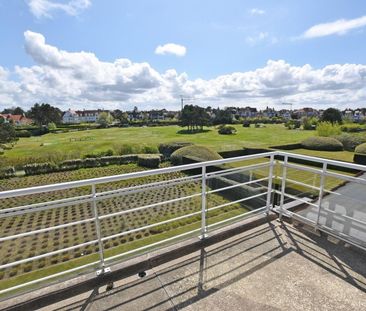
(16,119)
(81,116)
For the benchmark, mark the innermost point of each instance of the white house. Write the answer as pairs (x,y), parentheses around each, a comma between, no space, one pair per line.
(81,116)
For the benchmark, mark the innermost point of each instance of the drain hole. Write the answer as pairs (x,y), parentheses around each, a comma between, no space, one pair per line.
(142,274)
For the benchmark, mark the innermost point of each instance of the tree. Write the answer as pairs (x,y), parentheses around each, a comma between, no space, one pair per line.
(16,110)
(122,117)
(194,117)
(332,115)
(7,133)
(223,117)
(44,114)
(105,119)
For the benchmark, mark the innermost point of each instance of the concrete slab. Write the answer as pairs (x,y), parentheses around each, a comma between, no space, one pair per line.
(274,266)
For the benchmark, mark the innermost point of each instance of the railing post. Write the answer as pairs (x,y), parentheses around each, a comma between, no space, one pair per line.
(97,226)
(203,204)
(321,191)
(283,185)
(270,181)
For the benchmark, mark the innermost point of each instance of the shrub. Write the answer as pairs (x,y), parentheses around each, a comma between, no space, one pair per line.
(322,143)
(167,149)
(352,128)
(40,168)
(361,149)
(349,141)
(293,124)
(326,129)
(6,172)
(148,160)
(332,115)
(71,164)
(1,151)
(6,146)
(91,162)
(23,133)
(309,123)
(200,153)
(227,130)
(246,123)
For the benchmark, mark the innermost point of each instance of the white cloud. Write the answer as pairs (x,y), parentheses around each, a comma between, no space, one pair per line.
(81,80)
(339,27)
(256,11)
(171,48)
(45,8)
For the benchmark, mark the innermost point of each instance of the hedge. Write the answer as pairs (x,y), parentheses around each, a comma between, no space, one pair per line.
(198,152)
(40,168)
(167,149)
(352,128)
(6,172)
(149,160)
(23,133)
(361,149)
(351,141)
(322,144)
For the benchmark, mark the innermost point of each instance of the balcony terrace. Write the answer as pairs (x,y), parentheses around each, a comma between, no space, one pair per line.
(298,244)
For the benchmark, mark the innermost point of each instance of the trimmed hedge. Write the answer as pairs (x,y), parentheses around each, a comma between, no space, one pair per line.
(227,130)
(40,168)
(352,128)
(167,149)
(200,153)
(149,160)
(322,144)
(6,172)
(351,141)
(361,149)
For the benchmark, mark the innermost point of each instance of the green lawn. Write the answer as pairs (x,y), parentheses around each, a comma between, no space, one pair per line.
(76,144)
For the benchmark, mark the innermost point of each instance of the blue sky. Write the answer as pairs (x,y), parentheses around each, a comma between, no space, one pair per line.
(231,52)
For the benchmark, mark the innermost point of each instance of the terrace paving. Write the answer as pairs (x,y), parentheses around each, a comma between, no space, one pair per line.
(274,266)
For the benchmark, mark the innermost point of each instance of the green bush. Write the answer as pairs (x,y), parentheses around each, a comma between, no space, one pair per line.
(6,172)
(23,133)
(227,130)
(352,128)
(246,123)
(293,124)
(148,160)
(322,143)
(40,168)
(167,149)
(350,141)
(326,129)
(71,164)
(361,149)
(200,153)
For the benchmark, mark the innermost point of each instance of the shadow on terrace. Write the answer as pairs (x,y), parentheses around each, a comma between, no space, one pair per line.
(275,266)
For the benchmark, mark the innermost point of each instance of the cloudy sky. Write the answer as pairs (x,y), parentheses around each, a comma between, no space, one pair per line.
(118,54)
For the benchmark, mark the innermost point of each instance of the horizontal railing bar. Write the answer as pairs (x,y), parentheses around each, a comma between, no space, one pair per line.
(303,168)
(148,206)
(21,235)
(3,291)
(236,170)
(299,183)
(145,187)
(41,204)
(358,180)
(256,211)
(236,201)
(323,160)
(151,245)
(106,179)
(149,226)
(15,263)
(237,185)
(299,199)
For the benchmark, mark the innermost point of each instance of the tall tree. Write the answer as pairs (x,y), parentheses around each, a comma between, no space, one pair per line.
(332,115)
(194,117)
(104,119)
(44,114)
(7,132)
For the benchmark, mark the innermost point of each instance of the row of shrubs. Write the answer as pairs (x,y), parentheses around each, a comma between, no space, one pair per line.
(145,160)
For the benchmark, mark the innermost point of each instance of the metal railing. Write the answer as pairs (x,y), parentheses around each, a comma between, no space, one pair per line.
(274,195)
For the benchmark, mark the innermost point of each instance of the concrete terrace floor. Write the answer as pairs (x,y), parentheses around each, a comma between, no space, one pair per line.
(271,267)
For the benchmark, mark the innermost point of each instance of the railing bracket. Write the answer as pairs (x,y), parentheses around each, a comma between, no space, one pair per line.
(103,271)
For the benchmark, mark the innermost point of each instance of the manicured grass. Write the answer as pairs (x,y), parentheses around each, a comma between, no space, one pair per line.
(334,155)
(76,144)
